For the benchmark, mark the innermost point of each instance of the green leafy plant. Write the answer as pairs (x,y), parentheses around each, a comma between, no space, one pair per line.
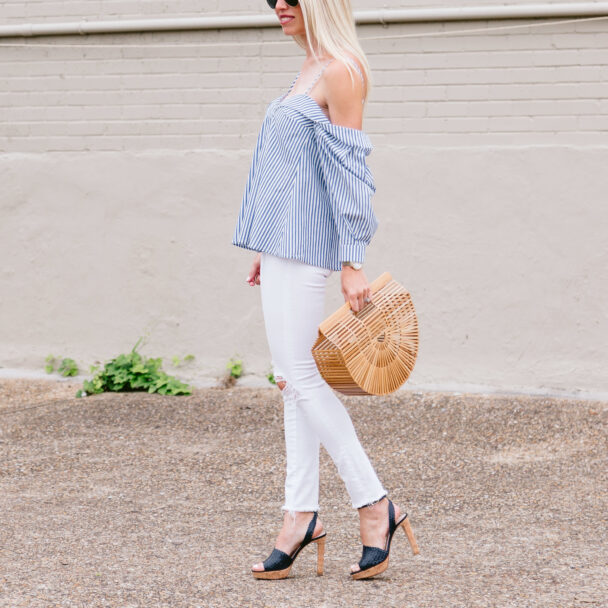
(270,377)
(67,366)
(132,372)
(50,364)
(236,367)
(177,362)
(235,371)
(93,369)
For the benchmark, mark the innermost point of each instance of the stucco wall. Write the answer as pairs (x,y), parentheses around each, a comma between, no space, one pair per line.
(123,168)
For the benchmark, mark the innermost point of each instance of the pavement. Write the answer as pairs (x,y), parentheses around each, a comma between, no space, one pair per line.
(144,500)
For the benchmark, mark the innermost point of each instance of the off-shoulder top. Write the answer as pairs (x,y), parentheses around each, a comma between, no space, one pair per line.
(308,191)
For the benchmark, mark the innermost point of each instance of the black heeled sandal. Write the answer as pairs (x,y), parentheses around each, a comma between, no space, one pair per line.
(375,560)
(278,563)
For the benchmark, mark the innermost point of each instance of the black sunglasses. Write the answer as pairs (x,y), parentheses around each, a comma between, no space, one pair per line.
(273,3)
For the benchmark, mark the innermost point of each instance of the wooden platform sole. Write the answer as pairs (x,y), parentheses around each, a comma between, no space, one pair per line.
(369,572)
(382,566)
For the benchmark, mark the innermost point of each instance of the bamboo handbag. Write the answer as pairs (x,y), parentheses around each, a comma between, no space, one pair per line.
(371,352)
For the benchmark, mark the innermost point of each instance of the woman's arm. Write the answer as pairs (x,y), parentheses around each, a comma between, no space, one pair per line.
(343,98)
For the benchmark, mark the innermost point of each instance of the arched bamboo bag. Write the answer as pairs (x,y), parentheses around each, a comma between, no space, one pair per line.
(371,352)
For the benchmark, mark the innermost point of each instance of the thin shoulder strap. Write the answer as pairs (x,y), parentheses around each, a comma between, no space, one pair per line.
(323,69)
(360,74)
(291,85)
(318,76)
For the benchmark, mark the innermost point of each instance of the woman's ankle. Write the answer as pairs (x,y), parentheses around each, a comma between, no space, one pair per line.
(297,516)
(375,505)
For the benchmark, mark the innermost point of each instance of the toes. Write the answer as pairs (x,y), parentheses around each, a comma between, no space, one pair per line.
(258,567)
(354,568)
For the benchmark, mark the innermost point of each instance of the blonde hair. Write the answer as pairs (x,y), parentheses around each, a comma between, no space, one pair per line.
(331,25)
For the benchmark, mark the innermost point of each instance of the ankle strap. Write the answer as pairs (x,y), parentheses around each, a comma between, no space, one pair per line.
(311,528)
(391,515)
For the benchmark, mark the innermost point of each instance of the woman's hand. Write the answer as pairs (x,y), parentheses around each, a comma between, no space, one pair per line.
(355,287)
(253,278)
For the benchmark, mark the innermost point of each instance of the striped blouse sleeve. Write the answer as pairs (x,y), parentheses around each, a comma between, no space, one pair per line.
(350,186)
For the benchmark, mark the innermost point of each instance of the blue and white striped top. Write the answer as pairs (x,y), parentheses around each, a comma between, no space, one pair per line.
(308,192)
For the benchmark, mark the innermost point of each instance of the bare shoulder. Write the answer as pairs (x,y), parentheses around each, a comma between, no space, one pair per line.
(344,94)
(340,76)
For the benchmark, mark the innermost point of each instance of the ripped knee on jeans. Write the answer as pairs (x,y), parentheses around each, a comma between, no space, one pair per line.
(286,388)
(280,381)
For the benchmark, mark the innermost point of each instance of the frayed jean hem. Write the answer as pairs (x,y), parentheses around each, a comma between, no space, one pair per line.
(369,503)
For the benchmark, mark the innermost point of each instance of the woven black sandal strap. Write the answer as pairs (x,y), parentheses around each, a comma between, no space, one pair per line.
(277,560)
(391,517)
(311,529)
(371,556)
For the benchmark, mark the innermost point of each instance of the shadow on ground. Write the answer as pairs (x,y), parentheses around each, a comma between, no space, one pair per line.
(143,500)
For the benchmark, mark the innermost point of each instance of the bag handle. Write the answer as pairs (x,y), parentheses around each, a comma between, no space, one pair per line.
(375,286)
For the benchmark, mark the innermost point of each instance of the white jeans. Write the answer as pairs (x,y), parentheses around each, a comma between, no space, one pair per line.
(293,295)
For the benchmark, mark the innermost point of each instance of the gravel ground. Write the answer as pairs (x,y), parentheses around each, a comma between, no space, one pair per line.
(139,500)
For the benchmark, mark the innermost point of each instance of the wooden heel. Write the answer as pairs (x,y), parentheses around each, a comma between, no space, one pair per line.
(405,524)
(320,555)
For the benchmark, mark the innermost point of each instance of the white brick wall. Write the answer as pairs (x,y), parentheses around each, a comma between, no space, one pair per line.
(47,11)
(542,85)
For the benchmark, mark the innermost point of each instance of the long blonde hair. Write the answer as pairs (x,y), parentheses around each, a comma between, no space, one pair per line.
(332,25)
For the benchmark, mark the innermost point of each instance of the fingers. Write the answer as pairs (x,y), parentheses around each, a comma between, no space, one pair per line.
(358,300)
(253,278)
(355,289)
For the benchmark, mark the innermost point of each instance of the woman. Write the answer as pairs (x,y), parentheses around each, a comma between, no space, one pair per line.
(307,212)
